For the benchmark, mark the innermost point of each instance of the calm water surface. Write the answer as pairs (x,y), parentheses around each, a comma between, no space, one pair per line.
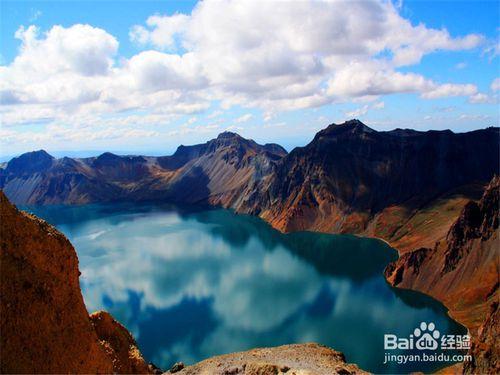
(191,283)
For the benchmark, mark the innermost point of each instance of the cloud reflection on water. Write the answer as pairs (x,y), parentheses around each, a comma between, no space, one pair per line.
(192,284)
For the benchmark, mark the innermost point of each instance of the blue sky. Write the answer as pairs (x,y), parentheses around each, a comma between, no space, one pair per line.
(145,76)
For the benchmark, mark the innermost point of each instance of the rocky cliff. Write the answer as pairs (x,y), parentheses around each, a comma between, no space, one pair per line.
(44,325)
(486,347)
(353,179)
(462,271)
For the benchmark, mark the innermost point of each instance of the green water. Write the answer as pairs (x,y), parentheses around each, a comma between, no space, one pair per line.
(191,283)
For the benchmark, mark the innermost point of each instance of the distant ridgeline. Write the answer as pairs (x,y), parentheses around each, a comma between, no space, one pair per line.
(350,178)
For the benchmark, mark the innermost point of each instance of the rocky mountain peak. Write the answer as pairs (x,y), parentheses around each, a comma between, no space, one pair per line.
(348,128)
(229,135)
(30,162)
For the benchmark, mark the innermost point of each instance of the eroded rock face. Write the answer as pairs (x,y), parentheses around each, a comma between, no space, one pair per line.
(486,349)
(353,179)
(311,359)
(118,344)
(44,325)
(462,272)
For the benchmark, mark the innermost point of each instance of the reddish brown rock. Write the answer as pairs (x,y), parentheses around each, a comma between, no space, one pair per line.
(44,325)
(118,344)
(485,350)
(311,359)
(462,272)
(354,179)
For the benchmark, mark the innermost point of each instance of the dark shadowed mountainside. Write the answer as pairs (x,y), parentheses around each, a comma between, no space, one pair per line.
(353,179)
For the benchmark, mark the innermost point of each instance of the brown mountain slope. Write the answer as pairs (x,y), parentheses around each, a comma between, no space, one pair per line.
(217,172)
(486,348)
(44,325)
(463,272)
(353,179)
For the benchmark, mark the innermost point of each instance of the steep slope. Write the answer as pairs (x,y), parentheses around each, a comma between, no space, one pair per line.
(463,272)
(44,323)
(217,172)
(486,348)
(221,170)
(353,179)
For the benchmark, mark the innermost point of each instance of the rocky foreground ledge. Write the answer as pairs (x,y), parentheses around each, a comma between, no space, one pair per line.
(45,326)
(297,359)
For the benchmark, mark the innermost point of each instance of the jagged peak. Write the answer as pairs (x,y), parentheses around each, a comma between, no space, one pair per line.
(356,124)
(353,126)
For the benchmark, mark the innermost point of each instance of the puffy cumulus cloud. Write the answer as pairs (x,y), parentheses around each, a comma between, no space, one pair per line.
(274,56)
(379,78)
(450,89)
(481,98)
(163,31)
(74,71)
(156,71)
(82,49)
(310,42)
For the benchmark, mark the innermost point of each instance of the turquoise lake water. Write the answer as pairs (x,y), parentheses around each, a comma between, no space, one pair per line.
(193,283)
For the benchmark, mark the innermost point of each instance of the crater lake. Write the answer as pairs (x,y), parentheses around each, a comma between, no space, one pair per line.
(190,283)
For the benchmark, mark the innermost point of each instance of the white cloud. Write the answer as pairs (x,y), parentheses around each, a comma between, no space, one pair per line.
(243,118)
(450,89)
(481,98)
(156,71)
(275,56)
(310,42)
(470,117)
(81,49)
(376,78)
(359,112)
(164,30)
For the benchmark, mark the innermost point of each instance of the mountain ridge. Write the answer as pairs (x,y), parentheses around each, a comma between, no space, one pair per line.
(110,177)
